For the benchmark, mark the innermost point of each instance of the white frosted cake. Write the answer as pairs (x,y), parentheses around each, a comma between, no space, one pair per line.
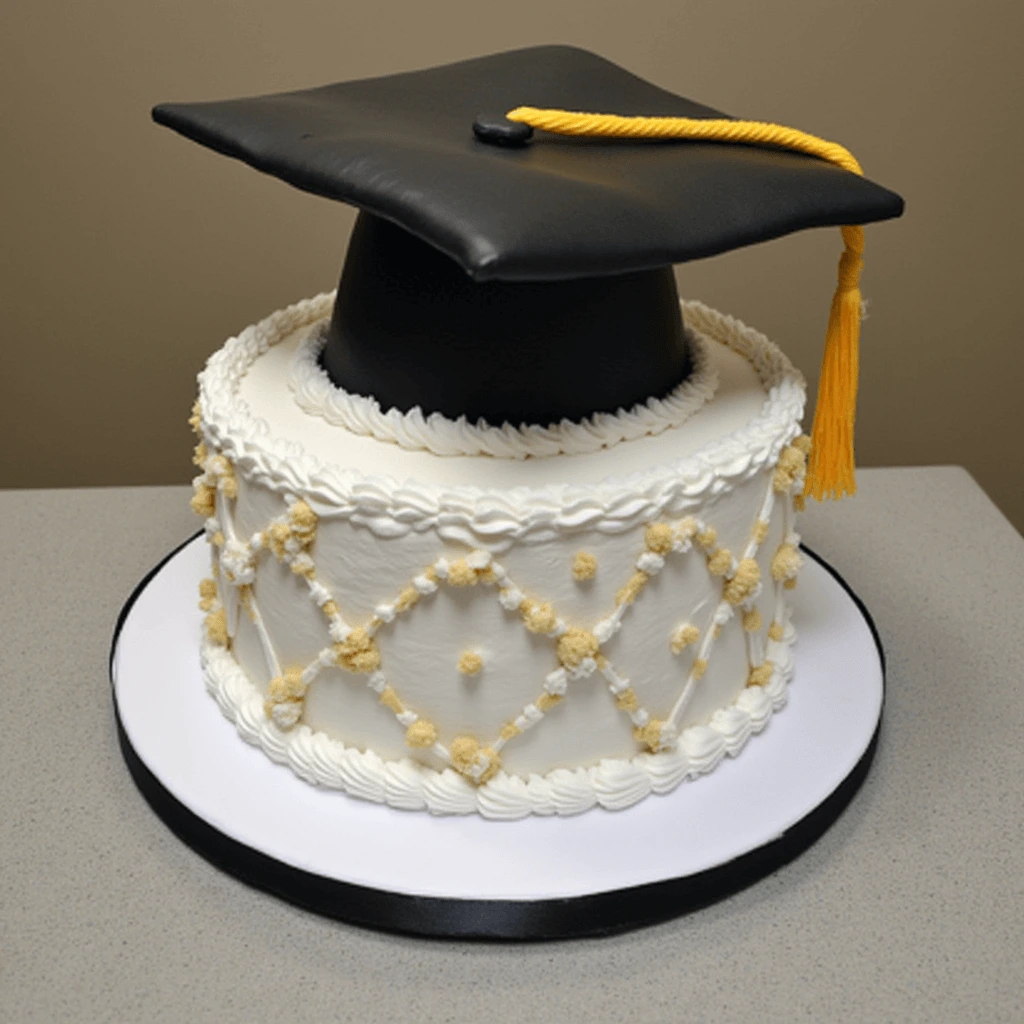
(460,618)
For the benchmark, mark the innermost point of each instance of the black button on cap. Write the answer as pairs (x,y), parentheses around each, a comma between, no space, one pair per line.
(498,130)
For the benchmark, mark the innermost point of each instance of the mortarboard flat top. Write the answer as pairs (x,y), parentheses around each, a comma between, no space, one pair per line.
(402,147)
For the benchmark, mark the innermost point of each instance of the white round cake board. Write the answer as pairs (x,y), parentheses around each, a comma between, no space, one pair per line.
(807,750)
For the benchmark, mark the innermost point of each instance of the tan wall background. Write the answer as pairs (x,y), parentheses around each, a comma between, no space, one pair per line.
(129,254)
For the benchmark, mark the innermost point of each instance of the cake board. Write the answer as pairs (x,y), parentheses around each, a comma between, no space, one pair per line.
(465,877)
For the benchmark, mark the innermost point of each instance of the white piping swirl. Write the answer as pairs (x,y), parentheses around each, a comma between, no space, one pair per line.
(494,519)
(408,785)
(315,394)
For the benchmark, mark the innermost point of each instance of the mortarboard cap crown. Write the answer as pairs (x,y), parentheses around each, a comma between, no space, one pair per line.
(485,266)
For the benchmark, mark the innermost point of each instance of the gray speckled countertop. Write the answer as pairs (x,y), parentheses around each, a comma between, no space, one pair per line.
(911,908)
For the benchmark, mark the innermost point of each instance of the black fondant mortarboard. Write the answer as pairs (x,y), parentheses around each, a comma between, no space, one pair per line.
(488,266)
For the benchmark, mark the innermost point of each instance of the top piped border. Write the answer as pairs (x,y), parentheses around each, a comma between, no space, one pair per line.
(315,394)
(495,518)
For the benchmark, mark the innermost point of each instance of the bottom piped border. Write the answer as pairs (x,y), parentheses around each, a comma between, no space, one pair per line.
(614,784)
(596,914)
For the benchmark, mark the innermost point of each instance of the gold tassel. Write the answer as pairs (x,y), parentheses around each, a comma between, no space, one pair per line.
(830,472)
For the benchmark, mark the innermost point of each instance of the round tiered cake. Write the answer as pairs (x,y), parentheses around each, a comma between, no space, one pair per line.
(496,528)
(461,618)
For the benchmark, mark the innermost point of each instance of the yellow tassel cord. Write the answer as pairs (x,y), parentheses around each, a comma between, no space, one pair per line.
(830,472)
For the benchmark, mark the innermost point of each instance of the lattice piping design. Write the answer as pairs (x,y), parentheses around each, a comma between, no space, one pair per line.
(290,536)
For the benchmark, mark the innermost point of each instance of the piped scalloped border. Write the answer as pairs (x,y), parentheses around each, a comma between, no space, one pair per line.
(614,784)
(315,394)
(494,518)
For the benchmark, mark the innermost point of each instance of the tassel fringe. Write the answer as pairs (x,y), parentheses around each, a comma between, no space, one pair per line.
(830,471)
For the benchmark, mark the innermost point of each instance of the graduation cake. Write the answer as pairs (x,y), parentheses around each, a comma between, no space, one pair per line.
(502,526)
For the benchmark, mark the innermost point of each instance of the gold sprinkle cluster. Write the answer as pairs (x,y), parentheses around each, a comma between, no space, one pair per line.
(575,645)
(476,762)
(685,636)
(792,466)
(357,652)
(470,663)
(217,475)
(584,566)
(786,563)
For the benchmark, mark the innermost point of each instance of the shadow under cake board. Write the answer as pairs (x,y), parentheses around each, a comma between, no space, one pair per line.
(597,873)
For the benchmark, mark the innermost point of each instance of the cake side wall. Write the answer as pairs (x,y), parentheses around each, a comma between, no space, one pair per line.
(486,653)
(469,663)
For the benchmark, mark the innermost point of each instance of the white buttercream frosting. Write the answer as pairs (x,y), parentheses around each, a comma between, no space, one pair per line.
(613,783)
(520,503)
(315,394)
(495,518)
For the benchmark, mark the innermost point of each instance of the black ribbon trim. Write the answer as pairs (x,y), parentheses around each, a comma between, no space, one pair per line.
(598,914)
